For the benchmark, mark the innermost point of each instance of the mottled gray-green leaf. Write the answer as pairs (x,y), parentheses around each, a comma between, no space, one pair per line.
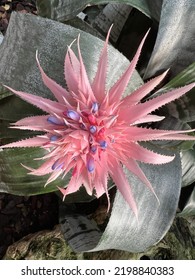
(116,14)
(175,44)
(80,232)
(67,9)
(1,37)
(82,25)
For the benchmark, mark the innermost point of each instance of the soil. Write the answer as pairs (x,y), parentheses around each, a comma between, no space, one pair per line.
(8,6)
(21,215)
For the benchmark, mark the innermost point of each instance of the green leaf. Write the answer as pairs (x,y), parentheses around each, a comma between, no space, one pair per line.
(67,9)
(14,178)
(189,209)
(124,231)
(174,47)
(21,110)
(8,134)
(185,77)
(184,107)
(9,116)
(172,123)
(4,92)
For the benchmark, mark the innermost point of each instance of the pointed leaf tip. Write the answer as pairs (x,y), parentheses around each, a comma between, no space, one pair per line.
(120,86)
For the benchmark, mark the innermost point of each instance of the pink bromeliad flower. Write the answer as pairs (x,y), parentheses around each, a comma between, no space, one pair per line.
(92,131)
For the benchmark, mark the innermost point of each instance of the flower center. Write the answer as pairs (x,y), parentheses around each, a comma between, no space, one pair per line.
(85,134)
(90,122)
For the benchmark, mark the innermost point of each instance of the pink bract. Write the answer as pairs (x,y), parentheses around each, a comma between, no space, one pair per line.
(92,131)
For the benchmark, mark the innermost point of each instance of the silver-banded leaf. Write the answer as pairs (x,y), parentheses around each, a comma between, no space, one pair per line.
(188,167)
(175,44)
(189,209)
(154,220)
(18,67)
(124,231)
(67,9)
(1,37)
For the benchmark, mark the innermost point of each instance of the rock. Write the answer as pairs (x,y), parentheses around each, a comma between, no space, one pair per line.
(43,245)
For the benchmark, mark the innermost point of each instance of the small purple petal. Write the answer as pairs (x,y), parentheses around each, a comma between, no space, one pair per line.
(54,138)
(92,128)
(93,149)
(54,120)
(95,107)
(103,144)
(90,164)
(56,165)
(73,115)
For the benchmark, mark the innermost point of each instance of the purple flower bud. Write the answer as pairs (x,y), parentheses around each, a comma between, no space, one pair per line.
(95,107)
(90,163)
(56,165)
(73,115)
(93,149)
(54,137)
(103,144)
(54,120)
(92,128)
